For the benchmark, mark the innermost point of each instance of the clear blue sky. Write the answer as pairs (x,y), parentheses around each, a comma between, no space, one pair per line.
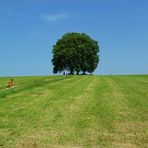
(29,29)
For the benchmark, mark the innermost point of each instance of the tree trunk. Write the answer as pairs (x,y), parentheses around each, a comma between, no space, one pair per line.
(83,73)
(71,71)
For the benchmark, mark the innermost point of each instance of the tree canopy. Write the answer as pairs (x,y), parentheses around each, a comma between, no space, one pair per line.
(75,53)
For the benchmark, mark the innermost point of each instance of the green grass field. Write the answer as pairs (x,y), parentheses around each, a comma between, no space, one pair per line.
(74,111)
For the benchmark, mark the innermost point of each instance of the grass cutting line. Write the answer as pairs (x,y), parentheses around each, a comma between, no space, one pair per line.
(75,111)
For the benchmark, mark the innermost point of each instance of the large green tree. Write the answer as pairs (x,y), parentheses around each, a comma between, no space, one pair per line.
(75,52)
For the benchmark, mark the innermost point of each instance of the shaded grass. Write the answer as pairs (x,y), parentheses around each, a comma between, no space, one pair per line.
(81,111)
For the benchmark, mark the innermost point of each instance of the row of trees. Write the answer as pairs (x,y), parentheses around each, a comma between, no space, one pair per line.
(75,53)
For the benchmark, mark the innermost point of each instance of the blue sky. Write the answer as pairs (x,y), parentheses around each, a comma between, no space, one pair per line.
(29,29)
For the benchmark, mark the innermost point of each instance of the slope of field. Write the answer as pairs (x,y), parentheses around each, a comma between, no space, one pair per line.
(74,111)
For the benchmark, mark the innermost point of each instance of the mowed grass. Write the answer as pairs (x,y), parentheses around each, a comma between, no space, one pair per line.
(75,111)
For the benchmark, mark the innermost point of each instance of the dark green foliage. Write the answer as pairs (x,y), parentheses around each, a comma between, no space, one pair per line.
(75,52)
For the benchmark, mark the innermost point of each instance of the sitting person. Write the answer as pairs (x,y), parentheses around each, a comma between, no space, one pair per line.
(10,83)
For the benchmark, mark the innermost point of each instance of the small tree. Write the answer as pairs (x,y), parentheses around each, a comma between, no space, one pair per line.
(75,52)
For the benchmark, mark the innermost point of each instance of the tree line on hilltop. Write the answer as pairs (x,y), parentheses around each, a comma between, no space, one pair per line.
(75,53)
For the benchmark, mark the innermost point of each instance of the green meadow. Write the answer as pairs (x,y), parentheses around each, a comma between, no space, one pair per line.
(74,112)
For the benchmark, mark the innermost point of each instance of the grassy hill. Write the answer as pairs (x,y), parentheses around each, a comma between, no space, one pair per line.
(75,111)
